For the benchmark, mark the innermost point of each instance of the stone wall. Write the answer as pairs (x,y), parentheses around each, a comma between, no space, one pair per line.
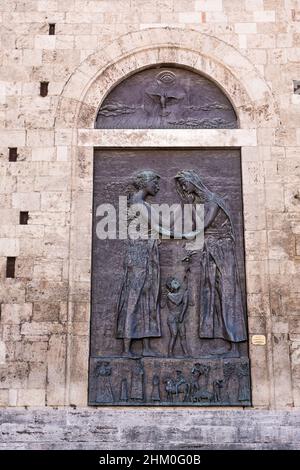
(142,429)
(251,48)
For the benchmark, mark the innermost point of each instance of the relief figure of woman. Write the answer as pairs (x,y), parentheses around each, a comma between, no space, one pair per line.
(222,310)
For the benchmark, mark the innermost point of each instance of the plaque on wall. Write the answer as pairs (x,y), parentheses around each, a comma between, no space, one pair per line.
(168,323)
(166,97)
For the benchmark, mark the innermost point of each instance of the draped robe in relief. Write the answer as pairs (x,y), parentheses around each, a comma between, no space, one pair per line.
(138,305)
(222,311)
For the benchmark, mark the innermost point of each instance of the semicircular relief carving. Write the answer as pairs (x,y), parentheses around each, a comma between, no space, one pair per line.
(166,98)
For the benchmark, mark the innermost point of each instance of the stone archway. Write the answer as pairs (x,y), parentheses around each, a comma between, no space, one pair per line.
(78,105)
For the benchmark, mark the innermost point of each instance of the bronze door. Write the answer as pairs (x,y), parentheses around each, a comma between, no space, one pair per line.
(169,326)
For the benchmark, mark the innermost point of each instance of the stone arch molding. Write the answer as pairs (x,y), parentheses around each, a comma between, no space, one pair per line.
(222,63)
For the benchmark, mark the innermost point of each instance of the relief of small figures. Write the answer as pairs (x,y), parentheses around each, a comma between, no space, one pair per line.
(244,386)
(229,370)
(155,394)
(104,388)
(137,382)
(177,301)
(199,391)
(178,388)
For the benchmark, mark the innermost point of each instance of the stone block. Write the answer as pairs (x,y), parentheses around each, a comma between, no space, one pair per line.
(24,268)
(254,211)
(160,137)
(8,184)
(245,28)
(5,200)
(56,359)
(8,231)
(12,397)
(78,391)
(2,355)
(9,247)
(32,58)
(86,42)
(12,291)
(2,267)
(31,351)
(189,17)
(81,312)
(51,183)
(31,397)
(261,41)
(282,371)
(277,56)
(31,247)
(10,138)
(11,335)
(55,201)
(84,17)
(38,291)
(30,201)
(37,375)
(256,244)
(63,137)
(258,305)
(48,219)
(41,329)
(45,42)
(290,169)
(24,183)
(281,244)
(82,270)
(253,175)
(259,376)
(40,138)
(64,41)
(292,197)
(62,153)
(264,16)
(64,312)
(43,154)
(13,376)
(46,311)
(249,154)
(16,313)
(47,270)
(275,197)
(47,5)
(4,398)
(295,364)
(256,277)
(253,5)
(29,231)
(208,5)
(56,233)
(297,239)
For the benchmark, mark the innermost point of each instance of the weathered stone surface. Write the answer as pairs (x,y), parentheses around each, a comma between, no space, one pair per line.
(144,429)
(56,357)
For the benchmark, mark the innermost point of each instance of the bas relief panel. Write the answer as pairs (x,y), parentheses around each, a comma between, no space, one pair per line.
(169,324)
(161,98)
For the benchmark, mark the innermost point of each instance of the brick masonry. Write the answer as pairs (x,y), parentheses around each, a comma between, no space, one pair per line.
(251,48)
